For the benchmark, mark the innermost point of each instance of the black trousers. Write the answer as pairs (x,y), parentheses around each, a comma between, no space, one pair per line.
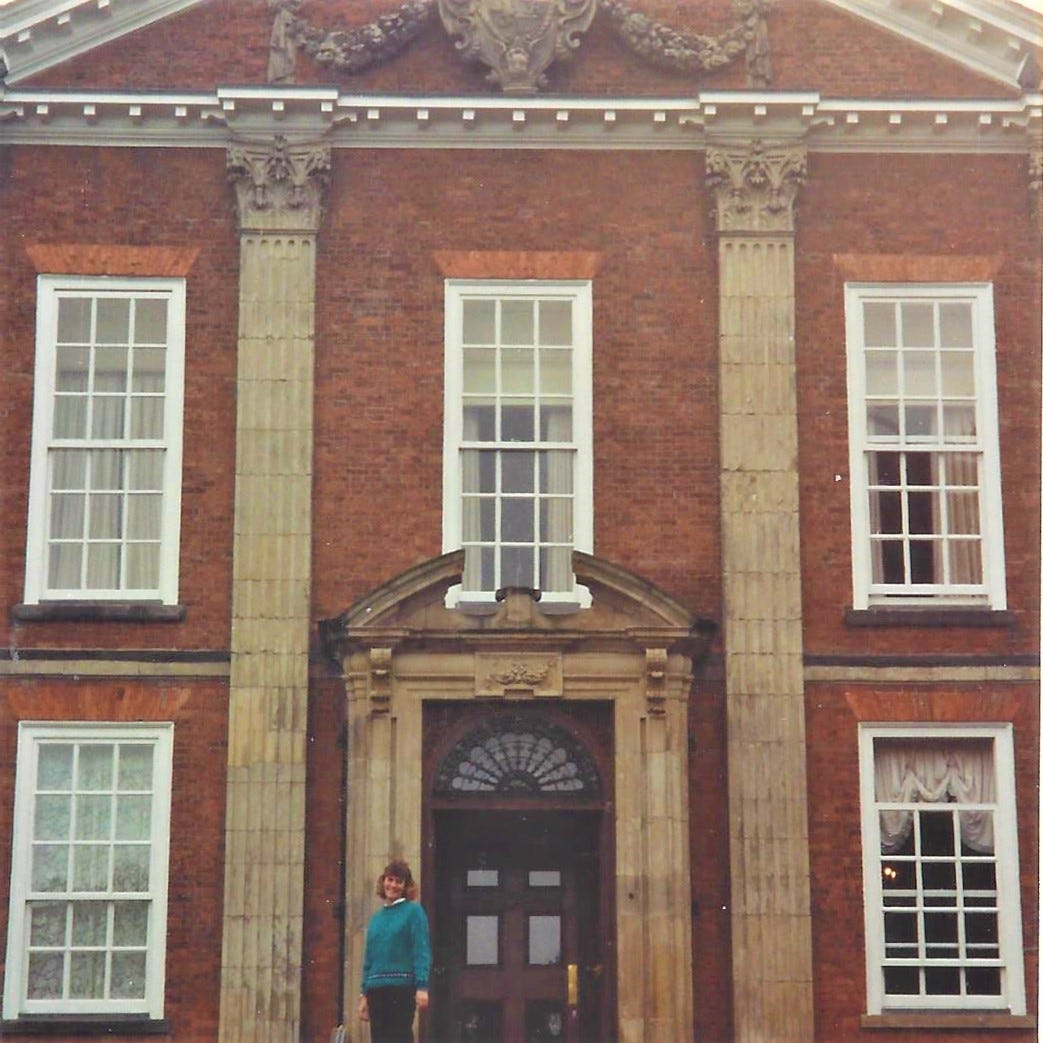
(391,1011)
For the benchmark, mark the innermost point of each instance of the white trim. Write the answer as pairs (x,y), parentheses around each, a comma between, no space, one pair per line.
(993,587)
(580,293)
(1008,882)
(30,734)
(182,119)
(49,287)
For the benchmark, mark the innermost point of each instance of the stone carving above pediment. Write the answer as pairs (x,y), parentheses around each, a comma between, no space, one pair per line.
(518,40)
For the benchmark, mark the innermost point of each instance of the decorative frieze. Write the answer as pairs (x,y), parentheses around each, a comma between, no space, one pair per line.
(693,54)
(756,186)
(279,185)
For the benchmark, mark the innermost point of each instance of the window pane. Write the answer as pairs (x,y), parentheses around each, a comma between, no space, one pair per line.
(483,878)
(54,766)
(556,423)
(142,566)
(917,324)
(106,516)
(517,322)
(130,923)
(133,815)
(518,374)
(110,369)
(45,976)
(113,321)
(70,416)
(957,373)
(150,321)
(90,923)
(959,421)
(64,566)
(518,472)
(107,418)
(921,420)
(878,319)
(918,369)
(518,422)
(479,422)
(149,370)
(94,770)
(956,328)
(480,371)
(103,566)
(544,941)
(144,514)
(544,878)
(556,372)
(93,816)
(518,567)
(87,975)
(90,867)
(145,469)
(146,417)
(555,322)
(881,373)
(128,975)
(518,523)
(130,867)
(53,816)
(50,867)
(74,320)
(47,923)
(67,515)
(71,369)
(479,322)
(882,419)
(483,941)
(68,469)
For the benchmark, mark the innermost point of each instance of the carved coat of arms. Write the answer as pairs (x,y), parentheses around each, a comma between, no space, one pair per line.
(517,39)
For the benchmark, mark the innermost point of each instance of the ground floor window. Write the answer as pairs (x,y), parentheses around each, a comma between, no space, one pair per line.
(89,870)
(942,901)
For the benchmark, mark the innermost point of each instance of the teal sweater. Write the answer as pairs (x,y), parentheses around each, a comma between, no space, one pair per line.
(398,947)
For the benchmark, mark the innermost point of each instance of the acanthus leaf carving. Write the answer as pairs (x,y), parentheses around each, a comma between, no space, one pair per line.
(756,186)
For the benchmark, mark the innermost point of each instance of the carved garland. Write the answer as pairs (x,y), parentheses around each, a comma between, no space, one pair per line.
(517,40)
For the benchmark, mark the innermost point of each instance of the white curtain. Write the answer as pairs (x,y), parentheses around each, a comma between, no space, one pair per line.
(557,567)
(935,773)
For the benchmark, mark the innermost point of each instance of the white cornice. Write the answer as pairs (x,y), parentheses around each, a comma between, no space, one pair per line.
(36,35)
(212,120)
(995,38)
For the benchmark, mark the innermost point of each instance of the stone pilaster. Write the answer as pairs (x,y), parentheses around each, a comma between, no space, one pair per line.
(755,188)
(278,189)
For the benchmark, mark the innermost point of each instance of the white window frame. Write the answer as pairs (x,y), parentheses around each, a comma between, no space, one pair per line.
(580,293)
(50,288)
(1012,997)
(31,735)
(991,592)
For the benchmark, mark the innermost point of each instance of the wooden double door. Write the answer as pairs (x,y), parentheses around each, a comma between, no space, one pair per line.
(518,941)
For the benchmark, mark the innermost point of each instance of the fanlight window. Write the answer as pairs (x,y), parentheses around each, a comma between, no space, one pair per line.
(519,756)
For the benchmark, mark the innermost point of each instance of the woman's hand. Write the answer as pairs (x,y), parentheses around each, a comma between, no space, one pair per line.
(422,999)
(363,1008)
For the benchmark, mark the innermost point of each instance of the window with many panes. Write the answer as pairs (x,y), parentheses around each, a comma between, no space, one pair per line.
(925,483)
(104,506)
(87,921)
(940,852)
(517,478)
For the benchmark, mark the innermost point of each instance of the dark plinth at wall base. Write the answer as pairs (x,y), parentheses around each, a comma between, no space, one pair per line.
(99,612)
(81,1025)
(947,1020)
(928,616)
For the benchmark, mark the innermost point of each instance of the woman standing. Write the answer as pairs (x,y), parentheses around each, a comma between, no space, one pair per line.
(397,960)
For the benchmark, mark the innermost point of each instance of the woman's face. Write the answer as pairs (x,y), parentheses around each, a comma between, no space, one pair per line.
(394,888)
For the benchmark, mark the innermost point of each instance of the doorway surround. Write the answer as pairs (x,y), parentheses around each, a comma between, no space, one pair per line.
(634,648)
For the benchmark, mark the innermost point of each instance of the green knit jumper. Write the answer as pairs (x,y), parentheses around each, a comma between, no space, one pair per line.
(398,947)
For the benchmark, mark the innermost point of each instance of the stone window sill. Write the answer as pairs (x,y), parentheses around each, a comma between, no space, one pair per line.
(927,616)
(99,612)
(948,1020)
(76,1025)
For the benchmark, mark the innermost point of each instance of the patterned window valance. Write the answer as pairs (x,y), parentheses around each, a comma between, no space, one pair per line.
(518,755)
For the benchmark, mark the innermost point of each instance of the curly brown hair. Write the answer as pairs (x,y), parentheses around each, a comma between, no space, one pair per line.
(400,870)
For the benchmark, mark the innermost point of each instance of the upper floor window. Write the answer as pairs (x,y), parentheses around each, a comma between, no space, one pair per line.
(105,484)
(88,893)
(925,482)
(940,851)
(517,467)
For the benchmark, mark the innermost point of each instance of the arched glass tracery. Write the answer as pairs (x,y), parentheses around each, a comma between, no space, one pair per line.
(518,755)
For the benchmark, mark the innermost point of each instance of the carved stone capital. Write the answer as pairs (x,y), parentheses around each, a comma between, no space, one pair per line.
(656,660)
(279,185)
(517,39)
(756,186)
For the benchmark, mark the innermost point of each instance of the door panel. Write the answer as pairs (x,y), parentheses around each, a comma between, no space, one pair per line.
(517,947)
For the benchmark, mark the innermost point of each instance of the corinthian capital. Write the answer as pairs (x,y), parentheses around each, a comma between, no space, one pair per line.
(279,186)
(756,185)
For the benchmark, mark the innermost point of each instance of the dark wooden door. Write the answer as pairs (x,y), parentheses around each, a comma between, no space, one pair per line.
(517,947)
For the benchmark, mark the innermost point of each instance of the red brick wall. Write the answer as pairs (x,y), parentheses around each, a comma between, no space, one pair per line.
(197,709)
(928,205)
(129,197)
(833,714)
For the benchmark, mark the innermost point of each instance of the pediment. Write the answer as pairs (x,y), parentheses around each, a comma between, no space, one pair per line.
(409,610)
(998,39)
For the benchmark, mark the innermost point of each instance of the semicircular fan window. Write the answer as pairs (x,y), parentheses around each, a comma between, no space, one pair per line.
(518,756)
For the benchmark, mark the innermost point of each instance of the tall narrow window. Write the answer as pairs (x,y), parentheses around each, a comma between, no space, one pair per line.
(104,506)
(925,485)
(89,870)
(518,485)
(942,901)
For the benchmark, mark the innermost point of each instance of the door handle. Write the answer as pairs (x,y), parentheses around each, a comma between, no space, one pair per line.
(572,985)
